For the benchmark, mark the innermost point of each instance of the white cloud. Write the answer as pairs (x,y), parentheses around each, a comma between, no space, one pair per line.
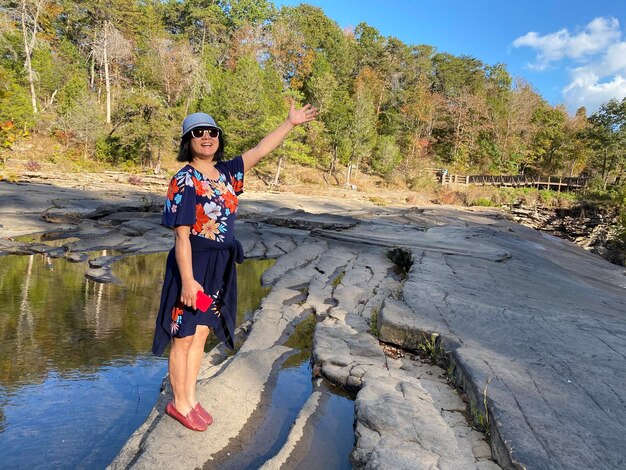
(587,90)
(594,38)
(599,53)
(614,59)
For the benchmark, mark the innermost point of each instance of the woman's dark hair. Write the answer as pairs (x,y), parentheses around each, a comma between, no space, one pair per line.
(184,150)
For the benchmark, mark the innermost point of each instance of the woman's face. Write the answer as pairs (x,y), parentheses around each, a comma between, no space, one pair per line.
(204,146)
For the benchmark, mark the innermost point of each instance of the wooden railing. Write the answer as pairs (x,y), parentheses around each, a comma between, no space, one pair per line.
(540,182)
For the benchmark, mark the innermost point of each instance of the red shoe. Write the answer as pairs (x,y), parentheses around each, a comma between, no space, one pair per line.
(192,421)
(204,414)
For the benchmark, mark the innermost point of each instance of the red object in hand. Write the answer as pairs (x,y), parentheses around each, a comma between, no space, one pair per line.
(203,301)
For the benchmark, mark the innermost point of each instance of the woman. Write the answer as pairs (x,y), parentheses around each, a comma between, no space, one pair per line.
(201,206)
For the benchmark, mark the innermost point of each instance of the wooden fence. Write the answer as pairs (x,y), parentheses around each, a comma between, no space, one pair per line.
(543,182)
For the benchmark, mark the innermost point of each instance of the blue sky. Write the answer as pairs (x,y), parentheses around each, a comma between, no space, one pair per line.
(572,52)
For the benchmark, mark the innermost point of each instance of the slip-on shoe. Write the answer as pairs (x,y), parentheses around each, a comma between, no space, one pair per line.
(192,420)
(204,414)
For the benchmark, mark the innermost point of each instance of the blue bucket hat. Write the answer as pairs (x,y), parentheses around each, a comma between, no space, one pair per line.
(199,120)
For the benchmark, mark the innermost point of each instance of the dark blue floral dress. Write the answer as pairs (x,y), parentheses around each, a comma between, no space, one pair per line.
(209,207)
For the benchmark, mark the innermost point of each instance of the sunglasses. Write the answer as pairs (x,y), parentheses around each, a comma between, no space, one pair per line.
(199,133)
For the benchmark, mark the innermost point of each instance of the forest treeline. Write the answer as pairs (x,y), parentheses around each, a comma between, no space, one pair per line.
(112,80)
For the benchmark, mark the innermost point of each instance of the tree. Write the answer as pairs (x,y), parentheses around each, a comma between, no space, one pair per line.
(576,147)
(548,141)
(362,130)
(251,12)
(62,78)
(110,46)
(497,133)
(461,80)
(170,67)
(289,53)
(247,103)
(106,30)
(141,129)
(608,138)
(27,13)
(386,155)
(323,36)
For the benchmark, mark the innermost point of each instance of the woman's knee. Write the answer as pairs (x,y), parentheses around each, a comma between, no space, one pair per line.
(202,333)
(182,344)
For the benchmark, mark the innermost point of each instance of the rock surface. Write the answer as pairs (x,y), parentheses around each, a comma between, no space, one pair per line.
(534,329)
(591,226)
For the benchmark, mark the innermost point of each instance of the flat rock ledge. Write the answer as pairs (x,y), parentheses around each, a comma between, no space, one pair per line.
(532,330)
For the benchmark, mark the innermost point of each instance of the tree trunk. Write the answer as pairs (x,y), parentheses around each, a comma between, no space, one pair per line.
(333,162)
(107,80)
(380,101)
(157,167)
(92,77)
(278,168)
(349,175)
(457,139)
(604,163)
(28,51)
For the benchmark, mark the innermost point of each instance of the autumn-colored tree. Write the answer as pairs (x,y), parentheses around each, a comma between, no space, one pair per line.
(113,78)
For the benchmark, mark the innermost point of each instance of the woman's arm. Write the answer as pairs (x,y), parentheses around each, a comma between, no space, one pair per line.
(273,139)
(182,250)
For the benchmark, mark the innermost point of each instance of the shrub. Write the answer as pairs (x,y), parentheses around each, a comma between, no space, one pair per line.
(450,197)
(135,180)
(483,202)
(32,165)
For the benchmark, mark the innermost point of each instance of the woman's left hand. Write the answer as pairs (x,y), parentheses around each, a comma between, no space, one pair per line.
(300,116)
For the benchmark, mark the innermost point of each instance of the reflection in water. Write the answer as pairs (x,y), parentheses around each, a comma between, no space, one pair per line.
(328,436)
(76,373)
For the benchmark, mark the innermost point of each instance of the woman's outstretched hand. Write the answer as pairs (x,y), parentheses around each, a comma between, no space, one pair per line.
(300,116)
(272,140)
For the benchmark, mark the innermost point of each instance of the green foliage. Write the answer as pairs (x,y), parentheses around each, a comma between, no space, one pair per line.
(431,347)
(4,84)
(482,202)
(15,101)
(549,138)
(248,104)
(374,321)
(385,106)
(607,136)
(323,35)
(240,12)
(386,155)
(337,280)
(141,128)
(455,75)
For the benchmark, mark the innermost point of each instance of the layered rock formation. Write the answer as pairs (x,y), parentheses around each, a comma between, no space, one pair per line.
(531,329)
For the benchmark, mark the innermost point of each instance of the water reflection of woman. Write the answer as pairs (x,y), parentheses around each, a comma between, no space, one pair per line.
(201,207)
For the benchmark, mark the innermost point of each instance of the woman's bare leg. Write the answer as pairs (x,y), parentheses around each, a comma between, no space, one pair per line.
(194,360)
(178,360)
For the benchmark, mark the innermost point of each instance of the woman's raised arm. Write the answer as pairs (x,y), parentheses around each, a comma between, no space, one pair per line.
(273,139)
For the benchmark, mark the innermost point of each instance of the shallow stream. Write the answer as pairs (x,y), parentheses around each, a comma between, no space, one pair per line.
(76,373)
(77,376)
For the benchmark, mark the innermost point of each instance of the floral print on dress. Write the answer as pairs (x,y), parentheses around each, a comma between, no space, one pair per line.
(178,312)
(207,206)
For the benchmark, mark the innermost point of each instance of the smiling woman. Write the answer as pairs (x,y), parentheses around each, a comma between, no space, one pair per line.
(201,207)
